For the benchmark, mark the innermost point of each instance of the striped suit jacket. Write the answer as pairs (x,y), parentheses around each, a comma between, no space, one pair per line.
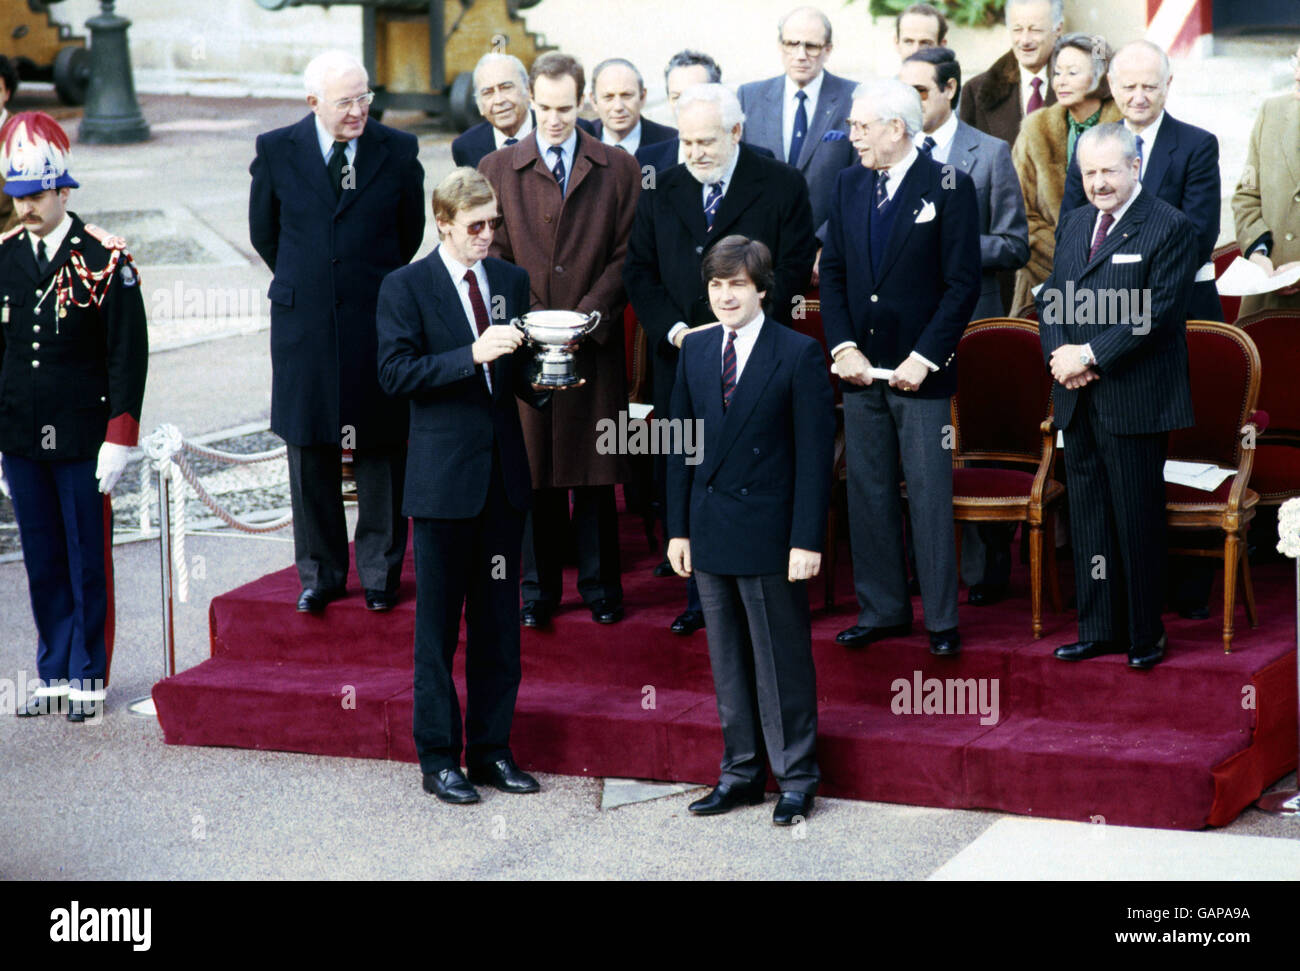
(1129,302)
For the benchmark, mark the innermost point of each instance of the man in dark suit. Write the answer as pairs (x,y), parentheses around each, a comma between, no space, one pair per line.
(75,349)
(618,91)
(749,522)
(1016,84)
(900,279)
(1122,386)
(678,223)
(467,483)
(1004,246)
(799,115)
(501,94)
(1180,162)
(337,203)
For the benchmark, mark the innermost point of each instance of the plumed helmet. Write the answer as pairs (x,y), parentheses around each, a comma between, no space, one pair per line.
(34,154)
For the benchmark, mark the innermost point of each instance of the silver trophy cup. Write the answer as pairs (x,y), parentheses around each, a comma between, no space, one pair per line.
(555,336)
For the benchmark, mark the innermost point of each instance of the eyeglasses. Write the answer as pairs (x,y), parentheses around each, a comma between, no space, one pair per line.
(792,47)
(922,91)
(477,228)
(360,101)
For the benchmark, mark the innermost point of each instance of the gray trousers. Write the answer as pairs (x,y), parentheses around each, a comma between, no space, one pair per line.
(889,437)
(320,531)
(760,649)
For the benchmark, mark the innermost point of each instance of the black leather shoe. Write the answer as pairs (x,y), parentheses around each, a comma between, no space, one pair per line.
(986,594)
(1145,658)
(380,600)
(1083,650)
(314,601)
(858,636)
(503,774)
(450,786)
(536,613)
(688,622)
(791,808)
(664,569)
(724,798)
(79,711)
(945,643)
(604,612)
(44,705)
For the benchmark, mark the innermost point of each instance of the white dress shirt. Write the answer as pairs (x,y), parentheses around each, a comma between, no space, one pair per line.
(1027,87)
(943,136)
(746,334)
(327,140)
(790,105)
(458,271)
(53,239)
(1148,135)
(631,141)
(500,137)
(567,150)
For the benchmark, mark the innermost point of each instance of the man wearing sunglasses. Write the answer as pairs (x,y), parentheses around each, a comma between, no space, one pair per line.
(337,203)
(799,116)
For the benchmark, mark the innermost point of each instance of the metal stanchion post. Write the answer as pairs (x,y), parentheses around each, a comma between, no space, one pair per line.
(145,706)
(1287,801)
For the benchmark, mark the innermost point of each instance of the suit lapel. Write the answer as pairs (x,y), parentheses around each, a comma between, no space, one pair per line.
(704,375)
(1126,228)
(861,227)
(963,153)
(749,389)
(907,203)
(26,258)
(1291,146)
(742,192)
(1161,154)
(688,203)
(766,124)
(370,158)
(829,111)
(583,162)
(310,163)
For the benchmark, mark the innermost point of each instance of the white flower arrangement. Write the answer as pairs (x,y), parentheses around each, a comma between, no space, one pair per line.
(1288,528)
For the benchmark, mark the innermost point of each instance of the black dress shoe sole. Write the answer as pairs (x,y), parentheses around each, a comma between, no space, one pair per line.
(451,798)
(483,780)
(945,651)
(610,617)
(753,799)
(789,820)
(875,634)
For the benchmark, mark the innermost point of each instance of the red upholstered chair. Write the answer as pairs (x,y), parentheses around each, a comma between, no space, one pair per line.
(1008,422)
(1223,257)
(1276,475)
(1224,366)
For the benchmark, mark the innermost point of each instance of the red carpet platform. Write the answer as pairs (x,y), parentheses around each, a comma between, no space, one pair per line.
(1186,745)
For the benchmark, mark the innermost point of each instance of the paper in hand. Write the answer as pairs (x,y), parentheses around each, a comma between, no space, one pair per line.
(1243,278)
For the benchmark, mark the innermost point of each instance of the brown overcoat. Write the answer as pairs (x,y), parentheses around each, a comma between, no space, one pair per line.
(991,101)
(573,248)
(1040,156)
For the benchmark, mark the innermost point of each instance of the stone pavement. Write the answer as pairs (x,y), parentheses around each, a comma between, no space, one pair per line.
(147,810)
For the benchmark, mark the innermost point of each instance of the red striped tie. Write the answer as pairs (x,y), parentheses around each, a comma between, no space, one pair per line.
(476,301)
(1103,227)
(728,369)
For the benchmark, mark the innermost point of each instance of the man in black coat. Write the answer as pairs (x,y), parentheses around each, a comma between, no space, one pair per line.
(468,483)
(337,203)
(749,521)
(75,349)
(1122,386)
(679,220)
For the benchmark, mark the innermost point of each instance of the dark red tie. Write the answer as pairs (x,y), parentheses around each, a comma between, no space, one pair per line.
(1103,227)
(1036,99)
(728,369)
(476,301)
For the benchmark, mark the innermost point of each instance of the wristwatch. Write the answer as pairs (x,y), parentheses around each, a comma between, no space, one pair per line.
(1085,358)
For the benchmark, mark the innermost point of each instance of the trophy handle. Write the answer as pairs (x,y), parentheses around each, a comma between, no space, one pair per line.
(518,324)
(593,320)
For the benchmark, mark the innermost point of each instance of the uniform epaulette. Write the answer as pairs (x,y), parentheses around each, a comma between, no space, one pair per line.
(106,239)
(11,233)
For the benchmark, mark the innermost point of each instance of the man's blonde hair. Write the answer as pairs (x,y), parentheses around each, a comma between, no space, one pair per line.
(464,188)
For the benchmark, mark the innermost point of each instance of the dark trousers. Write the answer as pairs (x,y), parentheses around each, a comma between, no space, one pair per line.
(320,530)
(60,514)
(760,649)
(1117,528)
(887,433)
(546,538)
(471,564)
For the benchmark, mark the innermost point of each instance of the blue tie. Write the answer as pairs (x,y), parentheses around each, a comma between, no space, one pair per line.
(800,128)
(927,146)
(558,168)
(729,370)
(711,204)
(882,196)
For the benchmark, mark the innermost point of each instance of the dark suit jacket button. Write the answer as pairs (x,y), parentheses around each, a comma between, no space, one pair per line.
(336,261)
(744,492)
(546,218)
(710,490)
(559,269)
(755,451)
(699,249)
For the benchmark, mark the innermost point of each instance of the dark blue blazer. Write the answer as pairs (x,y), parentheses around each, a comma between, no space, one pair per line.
(424,356)
(478,141)
(663,155)
(929,278)
(1144,386)
(764,482)
(329,255)
(1183,170)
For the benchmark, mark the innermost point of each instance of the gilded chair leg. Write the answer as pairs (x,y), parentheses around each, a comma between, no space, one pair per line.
(1248,587)
(1231,553)
(1036,579)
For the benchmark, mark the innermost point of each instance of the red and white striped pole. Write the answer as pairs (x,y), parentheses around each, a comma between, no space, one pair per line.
(1181,27)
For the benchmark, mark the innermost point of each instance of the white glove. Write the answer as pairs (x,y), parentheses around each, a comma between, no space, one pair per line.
(4,485)
(112,462)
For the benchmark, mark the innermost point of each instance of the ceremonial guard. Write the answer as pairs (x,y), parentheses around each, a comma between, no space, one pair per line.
(75,349)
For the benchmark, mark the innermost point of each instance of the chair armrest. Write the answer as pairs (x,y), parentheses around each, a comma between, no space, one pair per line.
(1258,418)
(1044,471)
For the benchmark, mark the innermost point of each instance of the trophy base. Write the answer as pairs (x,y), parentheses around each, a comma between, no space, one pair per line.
(554,382)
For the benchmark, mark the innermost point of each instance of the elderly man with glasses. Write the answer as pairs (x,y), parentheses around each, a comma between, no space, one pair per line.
(337,203)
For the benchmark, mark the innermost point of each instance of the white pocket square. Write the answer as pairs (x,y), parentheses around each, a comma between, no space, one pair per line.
(926,214)
(1126,258)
